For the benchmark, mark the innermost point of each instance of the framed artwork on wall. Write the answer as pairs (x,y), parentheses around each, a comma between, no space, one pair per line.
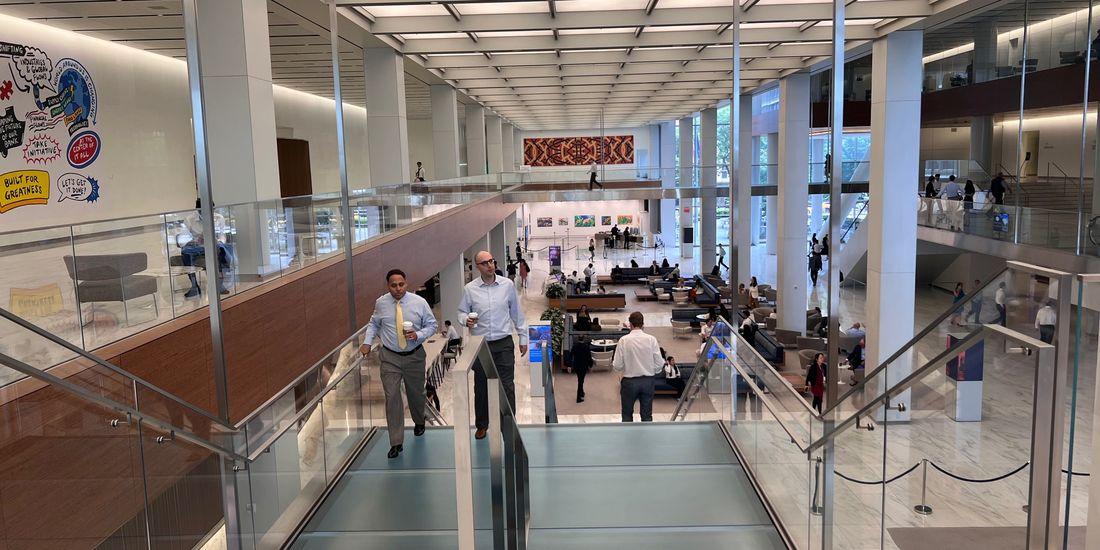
(625,219)
(563,221)
(605,220)
(584,220)
(544,222)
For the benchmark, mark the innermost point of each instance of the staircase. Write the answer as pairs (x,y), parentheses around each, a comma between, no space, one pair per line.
(644,486)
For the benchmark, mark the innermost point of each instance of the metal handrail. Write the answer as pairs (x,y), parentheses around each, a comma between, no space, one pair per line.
(109,366)
(1065,176)
(855,222)
(130,412)
(550,406)
(1019,188)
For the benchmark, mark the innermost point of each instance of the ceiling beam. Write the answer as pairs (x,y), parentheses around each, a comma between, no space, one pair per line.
(770,58)
(631,19)
(623,40)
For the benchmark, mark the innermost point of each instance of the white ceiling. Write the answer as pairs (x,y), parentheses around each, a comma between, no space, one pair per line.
(564,63)
(550,64)
(301,57)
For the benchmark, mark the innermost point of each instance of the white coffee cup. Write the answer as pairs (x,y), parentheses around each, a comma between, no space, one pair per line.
(473,317)
(408,326)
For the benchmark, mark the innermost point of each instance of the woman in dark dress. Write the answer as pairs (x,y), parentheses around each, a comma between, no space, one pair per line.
(815,380)
(582,361)
(584,320)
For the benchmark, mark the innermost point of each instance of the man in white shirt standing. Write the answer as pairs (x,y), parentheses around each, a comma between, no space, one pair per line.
(999,301)
(722,256)
(419,171)
(1045,321)
(637,360)
(592,171)
(494,300)
(589,272)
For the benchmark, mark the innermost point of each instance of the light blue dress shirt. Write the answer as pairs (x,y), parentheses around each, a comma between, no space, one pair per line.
(383,323)
(497,307)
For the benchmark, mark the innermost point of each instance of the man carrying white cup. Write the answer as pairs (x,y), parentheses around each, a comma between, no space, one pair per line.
(403,321)
(491,309)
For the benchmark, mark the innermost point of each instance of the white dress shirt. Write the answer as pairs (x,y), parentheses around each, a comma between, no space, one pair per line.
(999,297)
(638,354)
(497,307)
(1046,316)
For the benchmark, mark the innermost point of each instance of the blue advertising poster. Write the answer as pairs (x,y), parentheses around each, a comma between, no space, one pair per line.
(539,337)
(555,256)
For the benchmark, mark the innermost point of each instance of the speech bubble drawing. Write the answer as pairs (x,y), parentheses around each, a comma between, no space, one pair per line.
(34,67)
(77,187)
(41,149)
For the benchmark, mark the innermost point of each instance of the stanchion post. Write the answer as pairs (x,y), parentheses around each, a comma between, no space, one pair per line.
(923,508)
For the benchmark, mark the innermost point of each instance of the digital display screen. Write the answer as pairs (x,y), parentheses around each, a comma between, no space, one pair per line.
(555,256)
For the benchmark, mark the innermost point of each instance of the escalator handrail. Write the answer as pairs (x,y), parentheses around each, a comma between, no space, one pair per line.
(110,366)
(871,375)
(550,406)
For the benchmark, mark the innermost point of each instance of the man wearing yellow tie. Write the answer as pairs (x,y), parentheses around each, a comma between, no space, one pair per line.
(403,321)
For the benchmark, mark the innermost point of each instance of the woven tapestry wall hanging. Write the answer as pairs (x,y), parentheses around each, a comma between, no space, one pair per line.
(578,151)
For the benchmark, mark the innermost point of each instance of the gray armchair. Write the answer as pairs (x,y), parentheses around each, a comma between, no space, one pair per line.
(112,278)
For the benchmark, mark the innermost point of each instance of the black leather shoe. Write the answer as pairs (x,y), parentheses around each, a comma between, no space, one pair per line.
(394,451)
(480,433)
(580,400)
(418,430)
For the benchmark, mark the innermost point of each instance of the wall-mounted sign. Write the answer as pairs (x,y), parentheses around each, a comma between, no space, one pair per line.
(52,111)
(24,187)
(35,302)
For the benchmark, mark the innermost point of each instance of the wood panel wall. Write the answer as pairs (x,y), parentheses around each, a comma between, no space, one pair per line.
(69,480)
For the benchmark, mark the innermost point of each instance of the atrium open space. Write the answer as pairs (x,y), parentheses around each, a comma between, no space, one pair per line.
(554,274)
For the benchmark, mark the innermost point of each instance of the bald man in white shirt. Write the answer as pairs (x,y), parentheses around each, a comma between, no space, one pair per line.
(638,360)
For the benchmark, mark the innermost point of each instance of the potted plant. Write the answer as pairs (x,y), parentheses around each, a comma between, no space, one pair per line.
(554,293)
(557,331)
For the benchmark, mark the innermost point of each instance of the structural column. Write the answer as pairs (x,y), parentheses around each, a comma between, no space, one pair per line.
(687,168)
(387,127)
(451,281)
(475,140)
(772,173)
(240,125)
(892,218)
(984,68)
(748,207)
(498,245)
(445,131)
(667,157)
(511,235)
(708,179)
(494,147)
(646,169)
(518,148)
(794,146)
(508,144)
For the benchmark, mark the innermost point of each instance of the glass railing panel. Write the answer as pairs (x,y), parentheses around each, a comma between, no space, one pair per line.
(286,475)
(36,284)
(779,465)
(1021,302)
(329,230)
(1057,229)
(858,472)
(345,415)
(186,278)
(965,440)
(189,412)
(251,256)
(788,403)
(281,410)
(72,473)
(40,353)
(120,270)
(184,486)
(299,228)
